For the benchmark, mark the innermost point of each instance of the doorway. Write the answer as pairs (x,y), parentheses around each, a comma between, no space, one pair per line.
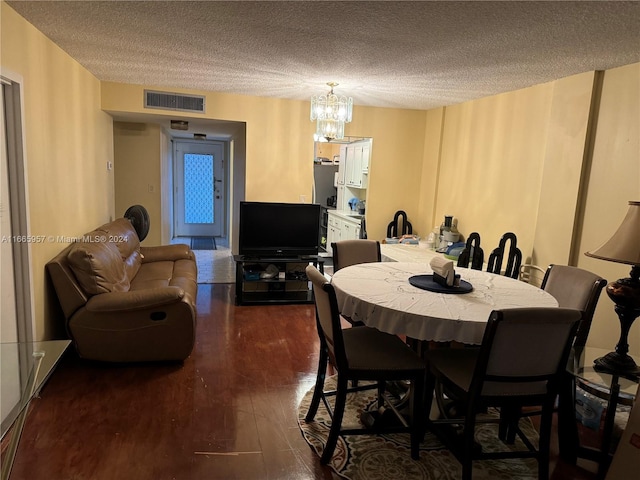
(200,188)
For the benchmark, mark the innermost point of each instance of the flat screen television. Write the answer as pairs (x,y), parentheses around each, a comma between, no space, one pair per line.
(279,229)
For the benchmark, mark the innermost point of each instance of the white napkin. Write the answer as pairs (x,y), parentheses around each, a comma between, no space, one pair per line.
(444,268)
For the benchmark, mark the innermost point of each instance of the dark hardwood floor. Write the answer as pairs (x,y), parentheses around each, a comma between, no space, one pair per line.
(228,412)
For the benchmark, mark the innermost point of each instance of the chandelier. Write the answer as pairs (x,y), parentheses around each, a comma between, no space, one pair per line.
(331,113)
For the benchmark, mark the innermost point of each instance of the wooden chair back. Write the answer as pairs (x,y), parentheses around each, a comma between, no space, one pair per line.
(472,253)
(513,255)
(397,229)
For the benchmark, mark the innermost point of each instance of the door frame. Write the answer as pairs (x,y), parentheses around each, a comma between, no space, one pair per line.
(12,85)
(17,368)
(221,206)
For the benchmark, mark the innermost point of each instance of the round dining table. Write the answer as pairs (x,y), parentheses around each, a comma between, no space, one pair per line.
(379,295)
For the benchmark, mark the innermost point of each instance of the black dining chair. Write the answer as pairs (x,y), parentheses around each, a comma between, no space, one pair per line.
(361,354)
(399,227)
(521,362)
(513,257)
(472,253)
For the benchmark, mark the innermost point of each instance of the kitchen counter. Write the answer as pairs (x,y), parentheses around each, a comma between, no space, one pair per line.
(348,214)
(342,225)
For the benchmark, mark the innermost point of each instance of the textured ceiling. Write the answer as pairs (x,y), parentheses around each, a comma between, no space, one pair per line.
(390,54)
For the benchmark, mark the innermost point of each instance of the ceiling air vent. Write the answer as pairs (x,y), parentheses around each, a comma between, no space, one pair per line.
(173,101)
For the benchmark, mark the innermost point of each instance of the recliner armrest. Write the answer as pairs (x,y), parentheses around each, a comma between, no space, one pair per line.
(161,253)
(135,299)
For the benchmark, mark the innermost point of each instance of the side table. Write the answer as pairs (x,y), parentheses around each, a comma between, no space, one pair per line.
(29,365)
(613,388)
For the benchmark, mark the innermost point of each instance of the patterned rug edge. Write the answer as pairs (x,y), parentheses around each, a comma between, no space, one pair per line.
(384,456)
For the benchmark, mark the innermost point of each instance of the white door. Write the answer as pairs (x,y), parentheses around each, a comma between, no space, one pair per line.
(199,198)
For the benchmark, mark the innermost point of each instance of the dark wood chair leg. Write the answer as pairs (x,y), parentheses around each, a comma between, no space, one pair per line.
(509,418)
(417,416)
(429,392)
(512,426)
(545,440)
(503,426)
(336,421)
(381,389)
(468,444)
(568,439)
(317,391)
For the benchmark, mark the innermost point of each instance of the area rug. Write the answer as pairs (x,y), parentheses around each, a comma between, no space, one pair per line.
(388,456)
(215,266)
(203,243)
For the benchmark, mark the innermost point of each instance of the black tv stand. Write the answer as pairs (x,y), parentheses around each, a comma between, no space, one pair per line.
(289,286)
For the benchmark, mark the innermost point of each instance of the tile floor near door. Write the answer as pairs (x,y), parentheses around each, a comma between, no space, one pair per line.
(214,266)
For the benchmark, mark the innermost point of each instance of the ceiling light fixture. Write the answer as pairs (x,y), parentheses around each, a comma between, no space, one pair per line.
(331,112)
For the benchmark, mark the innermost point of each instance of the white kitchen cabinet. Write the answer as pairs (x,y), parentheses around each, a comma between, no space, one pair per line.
(366,156)
(350,230)
(343,164)
(333,231)
(340,227)
(357,165)
(354,164)
(333,235)
(340,200)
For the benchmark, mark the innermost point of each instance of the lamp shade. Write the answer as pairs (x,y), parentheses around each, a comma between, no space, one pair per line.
(624,245)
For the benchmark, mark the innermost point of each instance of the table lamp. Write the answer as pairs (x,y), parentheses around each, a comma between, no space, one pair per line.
(623,247)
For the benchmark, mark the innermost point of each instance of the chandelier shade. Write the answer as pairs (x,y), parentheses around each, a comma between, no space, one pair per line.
(331,112)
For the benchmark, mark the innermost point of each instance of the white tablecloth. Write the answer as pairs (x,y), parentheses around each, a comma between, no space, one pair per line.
(380,295)
(397,252)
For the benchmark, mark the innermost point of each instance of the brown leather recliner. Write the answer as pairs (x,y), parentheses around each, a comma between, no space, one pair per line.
(124,302)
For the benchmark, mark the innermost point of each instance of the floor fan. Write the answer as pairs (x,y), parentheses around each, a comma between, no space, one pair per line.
(139,218)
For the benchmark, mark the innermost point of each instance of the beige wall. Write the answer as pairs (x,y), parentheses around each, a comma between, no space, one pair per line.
(613,181)
(166,185)
(396,164)
(565,154)
(279,149)
(430,172)
(327,149)
(491,165)
(138,148)
(519,161)
(512,162)
(278,154)
(68,142)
